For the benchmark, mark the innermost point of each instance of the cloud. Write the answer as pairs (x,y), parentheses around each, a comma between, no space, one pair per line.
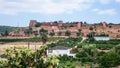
(117,0)
(44,6)
(105,1)
(105,12)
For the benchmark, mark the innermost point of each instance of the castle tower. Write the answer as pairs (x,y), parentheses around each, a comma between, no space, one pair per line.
(104,24)
(60,23)
(32,23)
(79,25)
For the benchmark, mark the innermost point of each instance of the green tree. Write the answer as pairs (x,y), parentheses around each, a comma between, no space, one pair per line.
(59,33)
(91,34)
(117,49)
(44,38)
(109,60)
(6,33)
(67,33)
(35,33)
(37,24)
(42,31)
(52,33)
(88,54)
(79,32)
(28,31)
(90,28)
(18,57)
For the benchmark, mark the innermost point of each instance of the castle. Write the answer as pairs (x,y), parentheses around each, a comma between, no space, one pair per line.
(113,30)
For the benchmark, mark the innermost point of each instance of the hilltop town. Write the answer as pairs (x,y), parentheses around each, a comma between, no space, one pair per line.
(60,28)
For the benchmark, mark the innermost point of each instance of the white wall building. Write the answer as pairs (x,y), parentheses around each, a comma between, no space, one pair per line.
(59,50)
(101,38)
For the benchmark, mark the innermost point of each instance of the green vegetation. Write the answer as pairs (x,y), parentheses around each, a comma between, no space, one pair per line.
(37,24)
(88,53)
(67,33)
(28,31)
(7,28)
(59,33)
(26,58)
(69,42)
(35,39)
(52,33)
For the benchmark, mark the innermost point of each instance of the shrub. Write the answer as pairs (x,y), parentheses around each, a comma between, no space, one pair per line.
(110,59)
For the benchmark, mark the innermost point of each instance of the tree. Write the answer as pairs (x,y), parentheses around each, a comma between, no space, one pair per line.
(28,31)
(37,24)
(91,34)
(22,57)
(6,33)
(117,49)
(90,28)
(52,33)
(44,38)
(55,22)
(35,33)
(88,54)
(67,33)
(42,31)
(79,32)
(109,60)
(59,33)
(85,22)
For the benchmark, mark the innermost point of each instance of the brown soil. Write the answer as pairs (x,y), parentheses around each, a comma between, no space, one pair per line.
(32,45)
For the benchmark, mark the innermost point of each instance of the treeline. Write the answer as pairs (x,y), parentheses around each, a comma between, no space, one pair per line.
(7,28)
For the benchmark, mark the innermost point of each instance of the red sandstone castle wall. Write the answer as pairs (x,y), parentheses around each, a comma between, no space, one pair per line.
(32,23)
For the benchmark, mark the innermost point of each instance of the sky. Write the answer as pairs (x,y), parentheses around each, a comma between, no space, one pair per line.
(20,12)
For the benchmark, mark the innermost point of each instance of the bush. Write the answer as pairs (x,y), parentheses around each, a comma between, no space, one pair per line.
(104,46)
(87,54)
(74,50)
(26,58)
(69,42)
(110,59)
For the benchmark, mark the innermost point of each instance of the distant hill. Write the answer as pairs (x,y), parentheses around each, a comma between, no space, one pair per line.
(8,28)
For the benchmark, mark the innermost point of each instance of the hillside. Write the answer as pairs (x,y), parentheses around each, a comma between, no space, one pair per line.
(8,28)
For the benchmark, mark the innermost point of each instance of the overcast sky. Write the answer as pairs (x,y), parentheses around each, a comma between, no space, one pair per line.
(20,12)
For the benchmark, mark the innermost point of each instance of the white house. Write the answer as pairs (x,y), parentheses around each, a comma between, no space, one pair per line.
(102,38)
(59,50)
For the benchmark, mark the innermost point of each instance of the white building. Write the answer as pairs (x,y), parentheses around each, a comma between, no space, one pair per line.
(59,50)
(101,38)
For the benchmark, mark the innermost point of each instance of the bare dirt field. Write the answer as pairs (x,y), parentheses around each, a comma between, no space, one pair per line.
(31,45)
